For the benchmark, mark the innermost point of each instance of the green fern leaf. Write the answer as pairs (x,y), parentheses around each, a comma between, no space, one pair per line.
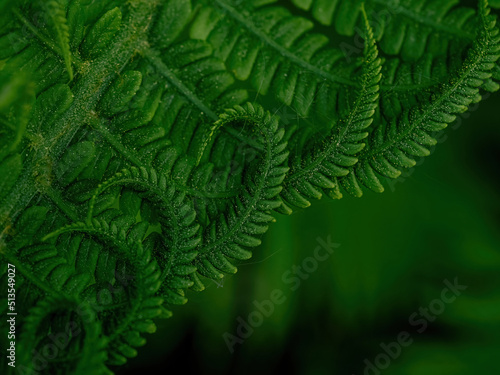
(101,34)
(177,219)
(403,28)
(248,214)
(318,169)
(394,145)
(56,11)
(276,52)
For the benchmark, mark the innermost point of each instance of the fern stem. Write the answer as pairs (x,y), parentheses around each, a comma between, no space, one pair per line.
(90,230)
(133,257)
(97,124)
(87,93)
(162,68)
(55,197)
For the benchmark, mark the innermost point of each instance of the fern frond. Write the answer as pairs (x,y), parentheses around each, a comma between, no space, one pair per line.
(408,29)
(277,53)
(393,145)
(124,330)
(249,214)
(54,269)
(191,69)
(53,315)
(144,118)
(177,218)
(317,170)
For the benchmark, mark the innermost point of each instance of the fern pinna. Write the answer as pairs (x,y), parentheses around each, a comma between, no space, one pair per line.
(141,155)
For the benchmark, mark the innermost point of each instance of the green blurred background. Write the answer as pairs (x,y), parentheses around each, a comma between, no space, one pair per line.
(441,221)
